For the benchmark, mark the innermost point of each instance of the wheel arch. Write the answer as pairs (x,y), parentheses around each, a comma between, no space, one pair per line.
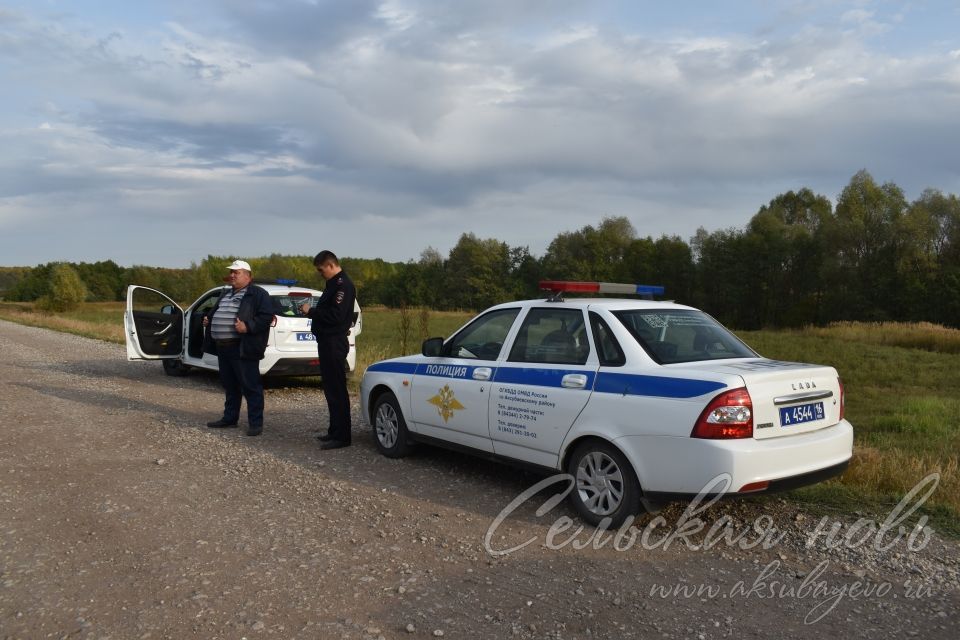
(375,394)
(588,437)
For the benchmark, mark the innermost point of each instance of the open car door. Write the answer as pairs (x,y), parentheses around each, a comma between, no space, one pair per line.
(153,325)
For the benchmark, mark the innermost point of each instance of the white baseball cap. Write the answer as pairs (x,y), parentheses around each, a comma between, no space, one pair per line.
(240,264)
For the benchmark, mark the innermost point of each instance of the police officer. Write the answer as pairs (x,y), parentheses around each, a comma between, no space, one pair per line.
(332,318)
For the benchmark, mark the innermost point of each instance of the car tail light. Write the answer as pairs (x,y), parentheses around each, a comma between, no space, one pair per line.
(843,400)
(754,486)
(728,416)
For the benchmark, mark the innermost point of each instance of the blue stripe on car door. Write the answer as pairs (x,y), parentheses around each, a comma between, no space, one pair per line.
(639,385)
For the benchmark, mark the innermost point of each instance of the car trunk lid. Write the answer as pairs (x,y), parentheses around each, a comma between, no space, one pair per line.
(293,334)
(788,397)
(291,330)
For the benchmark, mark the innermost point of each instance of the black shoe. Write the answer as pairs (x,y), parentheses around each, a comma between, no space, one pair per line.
(325,437)
(334,444)
(254,431)
(221,424)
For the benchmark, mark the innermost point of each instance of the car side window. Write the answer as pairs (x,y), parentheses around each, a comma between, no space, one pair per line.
(483,338)
(608,349)
(552,336)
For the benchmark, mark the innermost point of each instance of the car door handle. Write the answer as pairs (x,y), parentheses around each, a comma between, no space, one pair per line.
(574,381)
(482,373)
(164,330)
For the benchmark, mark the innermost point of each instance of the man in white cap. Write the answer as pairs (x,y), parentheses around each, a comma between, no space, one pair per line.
(239,326)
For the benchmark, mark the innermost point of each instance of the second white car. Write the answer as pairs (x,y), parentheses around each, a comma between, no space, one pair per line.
(156,328)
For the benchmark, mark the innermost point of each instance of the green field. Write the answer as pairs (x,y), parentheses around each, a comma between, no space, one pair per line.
(901,385)
(382,336)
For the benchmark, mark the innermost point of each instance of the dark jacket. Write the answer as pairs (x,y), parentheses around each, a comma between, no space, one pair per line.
(333,315)
(257,311)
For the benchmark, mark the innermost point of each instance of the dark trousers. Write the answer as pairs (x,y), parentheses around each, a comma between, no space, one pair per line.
(240,379)
(332,351)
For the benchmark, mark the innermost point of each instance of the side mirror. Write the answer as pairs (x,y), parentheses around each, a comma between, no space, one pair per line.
(167,309)
(432,347)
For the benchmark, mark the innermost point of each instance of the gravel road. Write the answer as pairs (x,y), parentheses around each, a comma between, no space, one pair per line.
(122,516)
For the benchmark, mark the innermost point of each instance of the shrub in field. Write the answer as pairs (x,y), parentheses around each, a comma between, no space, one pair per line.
(404,327)
(423,323)
(65,291)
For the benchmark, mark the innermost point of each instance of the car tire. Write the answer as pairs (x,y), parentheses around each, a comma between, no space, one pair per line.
(606,491)
(389,428)
(175,368)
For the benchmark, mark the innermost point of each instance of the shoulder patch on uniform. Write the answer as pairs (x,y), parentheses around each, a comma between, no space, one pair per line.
(339,297)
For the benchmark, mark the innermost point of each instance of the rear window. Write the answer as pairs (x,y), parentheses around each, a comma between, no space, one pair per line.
(289,306)
(682,335)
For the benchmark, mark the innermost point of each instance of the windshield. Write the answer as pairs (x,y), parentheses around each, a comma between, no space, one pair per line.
(682,335)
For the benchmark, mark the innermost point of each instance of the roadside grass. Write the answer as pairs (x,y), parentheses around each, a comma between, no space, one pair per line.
(913,335)
(382,336)
(900,382)
(100,320)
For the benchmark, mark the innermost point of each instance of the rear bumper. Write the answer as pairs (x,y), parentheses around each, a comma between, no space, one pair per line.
(680,467)
(303,363)
(293,367)
(783,484)
(297,367)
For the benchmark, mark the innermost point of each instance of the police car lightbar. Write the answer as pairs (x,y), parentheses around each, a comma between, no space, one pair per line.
(565,286)
(283,281)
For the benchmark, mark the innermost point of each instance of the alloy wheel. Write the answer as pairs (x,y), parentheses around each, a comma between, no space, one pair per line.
(600,483)
(387,425)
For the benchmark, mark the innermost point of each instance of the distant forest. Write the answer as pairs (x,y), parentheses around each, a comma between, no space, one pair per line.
(799,261)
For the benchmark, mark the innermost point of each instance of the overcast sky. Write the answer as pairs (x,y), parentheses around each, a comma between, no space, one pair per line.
(153,132)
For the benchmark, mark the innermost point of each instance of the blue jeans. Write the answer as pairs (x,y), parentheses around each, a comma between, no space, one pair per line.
(240,379)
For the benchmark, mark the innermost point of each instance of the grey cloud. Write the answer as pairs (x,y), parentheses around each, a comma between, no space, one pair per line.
(16,182)
(473,15)
(300,29)
(211,141)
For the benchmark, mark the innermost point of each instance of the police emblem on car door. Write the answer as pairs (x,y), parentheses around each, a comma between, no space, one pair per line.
(451,392)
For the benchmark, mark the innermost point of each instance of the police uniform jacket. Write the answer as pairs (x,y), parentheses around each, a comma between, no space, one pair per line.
(334,313)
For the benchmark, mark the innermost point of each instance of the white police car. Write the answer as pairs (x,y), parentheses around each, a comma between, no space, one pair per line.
(636,399)
(157,329)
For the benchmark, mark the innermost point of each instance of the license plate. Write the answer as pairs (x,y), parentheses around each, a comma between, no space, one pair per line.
(304,336)
(790,416)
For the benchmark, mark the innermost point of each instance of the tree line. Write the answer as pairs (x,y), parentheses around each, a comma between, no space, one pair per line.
(800,260)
